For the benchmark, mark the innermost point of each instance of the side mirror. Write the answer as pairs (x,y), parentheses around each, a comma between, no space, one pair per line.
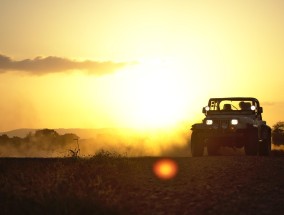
(260,110)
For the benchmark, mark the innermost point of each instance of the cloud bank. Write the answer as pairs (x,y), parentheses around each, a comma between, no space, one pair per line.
(51,64)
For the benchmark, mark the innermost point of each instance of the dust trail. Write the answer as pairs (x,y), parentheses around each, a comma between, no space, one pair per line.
(129,142)
(139,143)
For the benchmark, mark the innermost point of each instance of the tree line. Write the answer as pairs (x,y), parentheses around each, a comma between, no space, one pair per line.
(44,139)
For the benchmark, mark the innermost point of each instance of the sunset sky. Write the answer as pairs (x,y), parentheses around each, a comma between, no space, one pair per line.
(136,63)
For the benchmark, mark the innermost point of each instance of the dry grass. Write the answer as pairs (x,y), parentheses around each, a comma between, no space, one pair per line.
(110,183)
(66,185)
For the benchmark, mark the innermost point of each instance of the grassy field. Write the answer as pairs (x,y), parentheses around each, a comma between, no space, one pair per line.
(112,184)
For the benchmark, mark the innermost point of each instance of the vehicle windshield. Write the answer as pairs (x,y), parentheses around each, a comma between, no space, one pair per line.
(232,105)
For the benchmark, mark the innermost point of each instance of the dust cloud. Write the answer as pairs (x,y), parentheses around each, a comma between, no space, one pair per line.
(138,143)
(85,143)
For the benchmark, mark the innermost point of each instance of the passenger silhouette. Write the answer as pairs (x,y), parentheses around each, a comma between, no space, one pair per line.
(245,105)
(227,107)
(241,105)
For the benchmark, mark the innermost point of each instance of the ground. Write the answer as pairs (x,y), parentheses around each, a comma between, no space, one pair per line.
(120,185)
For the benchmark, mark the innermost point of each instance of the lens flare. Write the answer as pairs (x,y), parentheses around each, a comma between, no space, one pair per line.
(165,169)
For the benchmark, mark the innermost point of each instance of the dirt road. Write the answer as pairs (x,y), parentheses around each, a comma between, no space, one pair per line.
(205,185)
(214,185)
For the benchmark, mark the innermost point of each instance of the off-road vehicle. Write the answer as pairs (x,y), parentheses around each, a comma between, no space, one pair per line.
(235,122)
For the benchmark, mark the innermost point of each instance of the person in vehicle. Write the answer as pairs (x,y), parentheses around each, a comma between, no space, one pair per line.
(227,107)
(245,105)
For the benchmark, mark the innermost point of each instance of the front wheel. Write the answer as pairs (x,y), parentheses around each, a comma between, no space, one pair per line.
(197,144)
(265,144)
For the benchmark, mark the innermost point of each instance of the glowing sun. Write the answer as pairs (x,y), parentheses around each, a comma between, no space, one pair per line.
(154,95)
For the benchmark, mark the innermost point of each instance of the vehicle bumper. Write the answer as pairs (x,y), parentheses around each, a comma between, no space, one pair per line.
(229,132)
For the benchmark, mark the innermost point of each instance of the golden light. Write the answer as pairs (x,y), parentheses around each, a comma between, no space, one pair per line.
(153,94)
(165,169)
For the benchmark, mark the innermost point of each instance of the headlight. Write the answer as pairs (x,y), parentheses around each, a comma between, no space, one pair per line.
(209,122)
(252,107)
(234,121)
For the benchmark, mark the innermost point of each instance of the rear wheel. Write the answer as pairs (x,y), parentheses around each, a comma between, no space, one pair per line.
(197,144)
(251,146)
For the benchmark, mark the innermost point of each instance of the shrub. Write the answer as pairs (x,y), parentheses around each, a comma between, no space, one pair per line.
(278,133)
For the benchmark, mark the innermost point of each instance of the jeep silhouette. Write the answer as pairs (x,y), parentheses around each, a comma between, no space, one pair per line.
(235,122)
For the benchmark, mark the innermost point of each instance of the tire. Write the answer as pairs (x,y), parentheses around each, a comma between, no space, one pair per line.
(197,144)
(213,146)
(265,144)
(251,146)
(265,148)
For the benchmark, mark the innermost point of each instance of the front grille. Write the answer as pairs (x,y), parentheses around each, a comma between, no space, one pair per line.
(221,123)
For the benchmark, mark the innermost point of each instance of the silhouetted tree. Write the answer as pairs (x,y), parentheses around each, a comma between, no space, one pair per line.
(16,140)
(68,138)
(46,133)
(278,133)
(4,139)
(46,136)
